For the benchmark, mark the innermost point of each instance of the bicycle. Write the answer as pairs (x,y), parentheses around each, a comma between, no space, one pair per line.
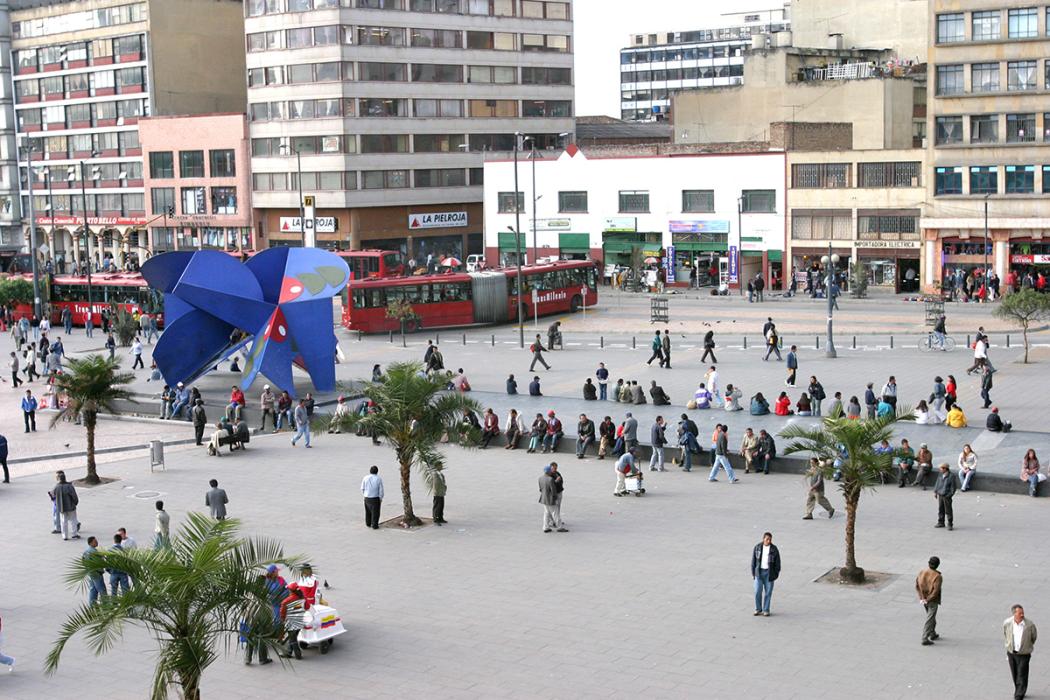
(930,342)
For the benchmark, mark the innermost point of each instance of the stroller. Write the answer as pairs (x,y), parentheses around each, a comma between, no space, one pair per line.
(634,485)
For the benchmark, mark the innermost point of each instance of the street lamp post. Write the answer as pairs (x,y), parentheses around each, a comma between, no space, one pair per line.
(517,238)
(986,290)
(830,261)
(30,147)
(87,243)
(302,206)
(521,305)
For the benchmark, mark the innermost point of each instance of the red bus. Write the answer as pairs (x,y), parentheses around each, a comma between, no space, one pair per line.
(126,289)
(475,298)
(373,264)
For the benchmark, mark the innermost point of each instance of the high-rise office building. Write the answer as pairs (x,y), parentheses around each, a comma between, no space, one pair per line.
(379,110)
(85,72)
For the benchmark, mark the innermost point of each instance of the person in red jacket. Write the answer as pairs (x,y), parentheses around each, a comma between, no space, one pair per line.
(301,596)
(236,405)
(783,405)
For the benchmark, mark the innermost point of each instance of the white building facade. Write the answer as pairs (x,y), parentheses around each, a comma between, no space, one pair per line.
(715,214)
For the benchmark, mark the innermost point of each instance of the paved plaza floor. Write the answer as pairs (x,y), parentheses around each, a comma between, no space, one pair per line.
(645,597)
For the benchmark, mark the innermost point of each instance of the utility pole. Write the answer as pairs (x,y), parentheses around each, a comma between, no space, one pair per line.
(517,238)
(32,231)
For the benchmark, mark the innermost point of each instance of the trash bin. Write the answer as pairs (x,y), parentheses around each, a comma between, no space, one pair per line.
(156,454)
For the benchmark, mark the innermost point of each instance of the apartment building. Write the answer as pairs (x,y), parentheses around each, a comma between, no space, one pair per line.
(85,73)
(653,66)
(381,111)
(10,230)
(988,161)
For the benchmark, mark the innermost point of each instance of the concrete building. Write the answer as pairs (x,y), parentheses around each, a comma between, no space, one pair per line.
(678,208)
(10,230)
(86,71)
(990,137)
(899,26)
(608,131)
(386,107)
(197,182)
(653,66)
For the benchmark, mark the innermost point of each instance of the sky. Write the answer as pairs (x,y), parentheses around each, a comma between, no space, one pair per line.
(602,28)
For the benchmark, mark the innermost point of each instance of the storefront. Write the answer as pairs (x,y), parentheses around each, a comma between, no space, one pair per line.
(574,246)
(1033,257)
(809,270)
(698,245)
(890,263)
(967,254)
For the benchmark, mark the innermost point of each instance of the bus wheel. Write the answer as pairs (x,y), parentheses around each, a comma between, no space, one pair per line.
(575,304)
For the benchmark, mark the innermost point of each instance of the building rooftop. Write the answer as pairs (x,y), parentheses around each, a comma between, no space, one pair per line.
(618,129)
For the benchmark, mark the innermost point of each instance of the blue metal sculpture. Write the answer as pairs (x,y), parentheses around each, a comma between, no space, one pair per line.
(280,301)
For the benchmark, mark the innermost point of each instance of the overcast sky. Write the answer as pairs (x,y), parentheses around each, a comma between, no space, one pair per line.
(602,28)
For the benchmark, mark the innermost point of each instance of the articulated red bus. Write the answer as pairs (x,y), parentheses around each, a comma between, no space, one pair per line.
(475,298)
(373,264)
(127,290)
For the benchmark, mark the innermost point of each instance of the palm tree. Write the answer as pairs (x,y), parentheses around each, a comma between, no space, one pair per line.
(415,414)
(191,596)
(91,385)
(852,442)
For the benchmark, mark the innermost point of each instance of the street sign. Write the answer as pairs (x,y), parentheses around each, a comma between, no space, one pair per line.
(733,271)
(308,200)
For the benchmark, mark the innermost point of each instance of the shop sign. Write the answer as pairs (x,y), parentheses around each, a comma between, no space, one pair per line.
(93,220)
(1030,259)
(734,274)
(910,245)
(553,224)
(437,219)
(621,224)
(322,224)
(699,226)
(669,263)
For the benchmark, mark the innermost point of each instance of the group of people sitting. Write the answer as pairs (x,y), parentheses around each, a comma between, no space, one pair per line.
(235,434)
(628,391)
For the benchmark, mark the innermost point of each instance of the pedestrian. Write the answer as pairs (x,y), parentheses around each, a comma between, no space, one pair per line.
(161,527)
(66,501)
(200,420)
(284,410)
(658,350)
(870,401)
(766,452)
(1030,472)
(216,500)
(603,381)
(13,364)
(986,386)
(928,586)
(816,395)
(181,400)
(889,393)
(658,395)
(815,495)
(559,487)
(302,423)
(3,459)
(711,378)
(792,366)
(625,465)
(549,500)
(666,347)
(630,431)
(590,392)
(944,490)
(553,434)
(750,291)
(537,354)
(29,406)
(772,342)
(554,336)
(439,488)
(534,386)
(905,460)
(760,284)
(96,584)
(111,345)
(765,569)
(118,579)
(584,435)
(748,447)
(657,439)
(1019,635)
(607,434)
(722,456)
(266,404)
(513,429)
(709,348)
(136,352)
(67,320)
(372,489)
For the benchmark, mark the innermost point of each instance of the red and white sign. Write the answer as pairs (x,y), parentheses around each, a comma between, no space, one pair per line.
(92,220)
(437,219)
(1030,259)
(323,224)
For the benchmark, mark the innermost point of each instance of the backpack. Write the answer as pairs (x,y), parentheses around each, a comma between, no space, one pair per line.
(532,348)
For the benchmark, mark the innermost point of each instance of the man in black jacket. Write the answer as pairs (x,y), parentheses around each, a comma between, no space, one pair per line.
(765,568)
(607,433)
(585,435)
(658,395)
(590,392)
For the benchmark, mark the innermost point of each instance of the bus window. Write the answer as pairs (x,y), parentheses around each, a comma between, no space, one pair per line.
(359,298)
(391,261)
(376,298)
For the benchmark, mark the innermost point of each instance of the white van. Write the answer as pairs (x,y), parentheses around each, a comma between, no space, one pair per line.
(475,262)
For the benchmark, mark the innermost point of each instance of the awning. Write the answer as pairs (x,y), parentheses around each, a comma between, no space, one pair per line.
(574,242)
(508,241)
(775,255)
(701,246)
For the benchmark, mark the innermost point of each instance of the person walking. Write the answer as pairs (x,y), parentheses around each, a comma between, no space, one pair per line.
(548,499)
(928,586)
(66,501)
(986,386)
(870,402)
(722,457)
(67,320)
(657,439)
(658,350)
(665,345)
(709,348)
(772,342)
(118,579)
(537,354)
(302,423)
(944,491)
(559,487)
(200,420)
(216,500)
(630,431)
(815,481)
(3,458)
(29,406)
(372,490)
(96,584)
(889,393)
(13,365)
(792,366)
(439,488)
(1019,634)
(111,345)
(603,382)
(765,569)
(161,527)
(136,352)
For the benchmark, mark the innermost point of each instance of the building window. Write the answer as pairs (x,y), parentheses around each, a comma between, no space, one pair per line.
(384,179)
(698,201)
(821,224)
(985,26)
(819,175)
(634,202)
(223,200)
(949,80)
(1023,23)
(984,179)
(388,72)
(948,181)
(223,163)
(1020,75)
(758,201)
(1046,179)
(492,74)
(951,28)
(380,36)
(492,142)
(497,41)
(984,77)
(438,143)
(438,108)
(887,227)
(1020,179)
(546,76)
(193,201)
(161,165)
(442,6)
(382,107)
(984,128)
(382,4)
(546,108)
(1020,128)
(441,177)
(163,200)
(894,174)
(493,108)
(436,73)
(497,8)
(384,143)
(572,202)
(506,202)
(191,163)
(949,130)
(437,38)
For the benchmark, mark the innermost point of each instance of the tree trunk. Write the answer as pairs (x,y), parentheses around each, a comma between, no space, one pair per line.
(191,686)
(851,573)
(1024,332)
(409,519)
(89,424)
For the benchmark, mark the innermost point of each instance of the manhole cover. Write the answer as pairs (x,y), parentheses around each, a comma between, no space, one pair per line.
(147,494)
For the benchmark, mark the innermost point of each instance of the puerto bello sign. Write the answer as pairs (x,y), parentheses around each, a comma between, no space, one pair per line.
(437,219)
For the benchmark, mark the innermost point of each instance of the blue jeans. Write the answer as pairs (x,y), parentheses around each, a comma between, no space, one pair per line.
(283,416)
(816,406)
(965,479)
(602,391)
(303,431)
(176,409)
(763,589)
(1033,484)
(689,446)
(118,580)
(96,589)
(722,461)
(160,541)
(550,441)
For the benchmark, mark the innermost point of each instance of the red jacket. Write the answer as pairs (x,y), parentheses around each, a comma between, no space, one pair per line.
(783,406)
(237,396)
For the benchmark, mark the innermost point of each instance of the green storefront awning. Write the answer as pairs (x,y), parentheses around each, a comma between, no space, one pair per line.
(700,246)
(772,255)
(775,255)
(574,242)
(507,241)
(752,253)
